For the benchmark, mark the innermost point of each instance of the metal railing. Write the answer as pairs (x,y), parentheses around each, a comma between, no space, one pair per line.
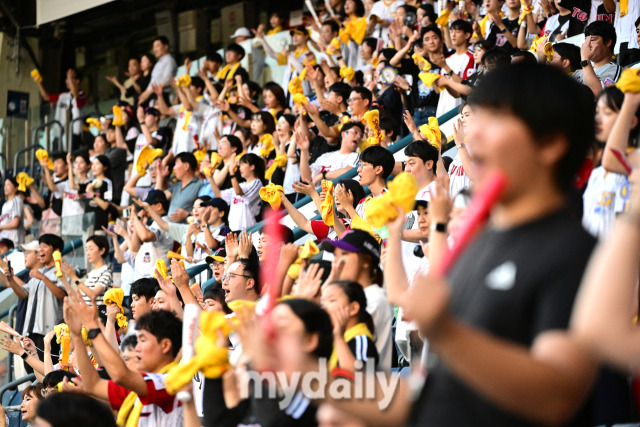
(45,127)
(33,148)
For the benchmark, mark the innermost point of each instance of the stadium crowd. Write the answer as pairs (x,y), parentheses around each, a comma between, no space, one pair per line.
(484,277)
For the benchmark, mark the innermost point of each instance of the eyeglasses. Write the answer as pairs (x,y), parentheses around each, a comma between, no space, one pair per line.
(350,100)
(362,165)
(229,275)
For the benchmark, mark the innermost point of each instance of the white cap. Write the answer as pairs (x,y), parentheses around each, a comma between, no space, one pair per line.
(31,246)
(241,32)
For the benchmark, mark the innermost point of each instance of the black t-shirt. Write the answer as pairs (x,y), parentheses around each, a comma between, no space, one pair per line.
(118,159)
(499,39)
(513,284)
(391,102)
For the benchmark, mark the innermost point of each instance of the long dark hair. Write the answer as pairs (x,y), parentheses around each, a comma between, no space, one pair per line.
(355,293)
(254,160)
(316,321)
(106,163)
(277,91)
(613,98)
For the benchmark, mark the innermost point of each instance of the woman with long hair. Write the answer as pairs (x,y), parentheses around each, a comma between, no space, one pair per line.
(11,217)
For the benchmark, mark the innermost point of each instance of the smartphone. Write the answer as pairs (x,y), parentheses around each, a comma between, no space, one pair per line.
(125,213)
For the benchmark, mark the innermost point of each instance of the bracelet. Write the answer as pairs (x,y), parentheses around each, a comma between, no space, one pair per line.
(232,176)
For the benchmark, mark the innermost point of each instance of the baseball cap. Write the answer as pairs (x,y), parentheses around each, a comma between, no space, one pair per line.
(300,29)
(354,241)
(7,242)
(219,203)
(157,196)
(241,32)
(218,255)
(31,246)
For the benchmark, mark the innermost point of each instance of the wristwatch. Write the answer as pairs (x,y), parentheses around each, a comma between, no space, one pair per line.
(324,174)
(502,30)
(92,333)
(439,227)
(24,355)
(585,63)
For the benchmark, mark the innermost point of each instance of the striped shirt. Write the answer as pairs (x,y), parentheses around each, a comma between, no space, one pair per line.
(98,277)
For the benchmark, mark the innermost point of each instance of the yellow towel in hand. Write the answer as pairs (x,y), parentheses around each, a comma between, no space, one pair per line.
(184,80)
(279,162)
(421,62)
(334,46)
(200,154)
(209,358)
(94,123)
(309,249)
(24,181)
(624,7)
(431,131)
(629,81)
(524,11)
(146,157)
(443,19)
(116,296)
(117,116)
(272,194)
(162,269)
(35,75)
(347,73)
(295,85)
(300,99)
(429,78)
(267,145)
(326,208)
(63,328)
(354,29)
(402,192)
(372,118)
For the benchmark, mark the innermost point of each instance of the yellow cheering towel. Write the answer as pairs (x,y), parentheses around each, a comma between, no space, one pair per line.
(548,47)
(272,194)
(349,334)
(372,118)
(303,76)
(200,154)
(279,162)
(326,208)
(524,11)
(162,269)
(300,99)
(116,296)
(309,249)
(175,255)
(216,159)
(35,75)
(347,73)
(227,72)
(129,412)
(624,7)
(147,156)
(295,85)
(443,19)
(238,304)
(209,358)
(63,328)
(355,29)
(24,181)
(429,79)
(184,80)
(629,81)
(402,192)
(431,130)
(94,123)
(334,46)
(267,145)
(421,62)
(117,116)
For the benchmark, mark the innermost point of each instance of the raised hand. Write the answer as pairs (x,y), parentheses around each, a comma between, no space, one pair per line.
(309,282)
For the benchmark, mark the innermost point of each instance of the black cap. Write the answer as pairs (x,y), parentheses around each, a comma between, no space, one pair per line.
(354,241)
(157,196)
(219,203)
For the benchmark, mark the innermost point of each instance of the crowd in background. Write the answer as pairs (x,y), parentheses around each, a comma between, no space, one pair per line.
(523,323)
